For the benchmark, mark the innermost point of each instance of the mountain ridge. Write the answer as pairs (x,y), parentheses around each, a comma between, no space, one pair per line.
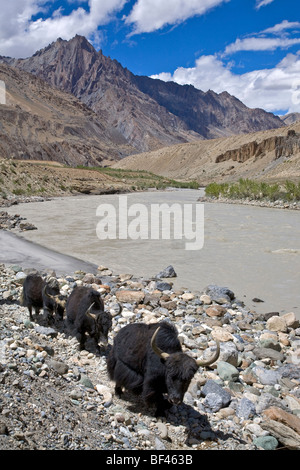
(143,113)
(272,155)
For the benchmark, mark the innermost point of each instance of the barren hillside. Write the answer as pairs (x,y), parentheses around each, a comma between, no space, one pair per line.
(39,122)
(268,155)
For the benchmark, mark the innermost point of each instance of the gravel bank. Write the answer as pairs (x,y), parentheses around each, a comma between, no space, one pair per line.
(54,397)
(279,204)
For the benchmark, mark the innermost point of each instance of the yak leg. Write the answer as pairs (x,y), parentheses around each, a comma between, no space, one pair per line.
(30,313)
(118,390)
(152,394)
(97,346)
(125,377)
(161,406)
(80,336)
(48,314)
(82,342)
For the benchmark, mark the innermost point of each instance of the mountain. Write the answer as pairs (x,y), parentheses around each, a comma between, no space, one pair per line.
(39,122)
(290,118)
(103,85)
(141,112)
(271,155)
(209,114)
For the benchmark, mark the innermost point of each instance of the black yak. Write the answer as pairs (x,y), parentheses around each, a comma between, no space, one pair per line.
(148,360)
(86,314)
(39,293)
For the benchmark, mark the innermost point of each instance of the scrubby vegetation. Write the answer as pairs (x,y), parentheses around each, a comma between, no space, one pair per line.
(257,190)
(26,178)
(143,179)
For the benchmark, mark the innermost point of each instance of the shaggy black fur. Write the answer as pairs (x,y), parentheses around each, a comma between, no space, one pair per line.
(133,364)
(79,323)
(33,296)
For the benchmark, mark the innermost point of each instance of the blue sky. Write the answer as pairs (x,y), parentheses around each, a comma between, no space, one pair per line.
(250,48)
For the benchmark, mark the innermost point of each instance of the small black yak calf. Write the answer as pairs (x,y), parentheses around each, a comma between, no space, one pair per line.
(39,293)
(148,360)
(86,314)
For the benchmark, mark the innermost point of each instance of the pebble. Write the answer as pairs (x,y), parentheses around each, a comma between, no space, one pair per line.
(59,367)
(245,408)
(277,324)
(229,353)
(163,431)
(226,371)
(212,387)
(169,271)
(213,402)
(105,392)
(266,442)
(86,382)
(205,299)
(216,311)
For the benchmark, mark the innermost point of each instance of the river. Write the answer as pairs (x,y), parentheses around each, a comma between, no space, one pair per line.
(254,251)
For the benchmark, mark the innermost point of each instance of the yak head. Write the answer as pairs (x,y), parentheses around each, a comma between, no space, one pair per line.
(101,322)
(180,368)
(56,299)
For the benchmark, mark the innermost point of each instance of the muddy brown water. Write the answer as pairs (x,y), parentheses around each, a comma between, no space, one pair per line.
(254,251)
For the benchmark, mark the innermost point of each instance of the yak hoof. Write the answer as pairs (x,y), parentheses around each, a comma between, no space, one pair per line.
(118,391)
(162,407)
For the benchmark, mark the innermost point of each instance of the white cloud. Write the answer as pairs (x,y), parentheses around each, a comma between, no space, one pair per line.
(262,3)
(278,28)
(21,37)
(261,44)
(271,89)
(151,15)
(276,37)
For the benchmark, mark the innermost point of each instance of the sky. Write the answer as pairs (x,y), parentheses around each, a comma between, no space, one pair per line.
(249,48)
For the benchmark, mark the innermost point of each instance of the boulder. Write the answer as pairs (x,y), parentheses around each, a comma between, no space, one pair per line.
(216,311)
(284,426)
(130,296)
(219,294)
(276,324)
(167,272)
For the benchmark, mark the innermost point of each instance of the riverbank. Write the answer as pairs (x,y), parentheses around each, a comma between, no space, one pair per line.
(252,202)
(36,180)
(17,250)
(57,398)
(283,195)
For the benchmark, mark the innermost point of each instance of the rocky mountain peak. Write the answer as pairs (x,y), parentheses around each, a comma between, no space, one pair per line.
(147,114)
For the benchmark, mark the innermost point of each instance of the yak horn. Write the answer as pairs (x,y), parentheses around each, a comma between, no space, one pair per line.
(156,349)
(48,295)
(88,312)
(210,360)
(53,297)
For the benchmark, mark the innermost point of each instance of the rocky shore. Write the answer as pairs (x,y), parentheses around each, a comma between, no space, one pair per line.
(55,397)
(14,222)
(279,204)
